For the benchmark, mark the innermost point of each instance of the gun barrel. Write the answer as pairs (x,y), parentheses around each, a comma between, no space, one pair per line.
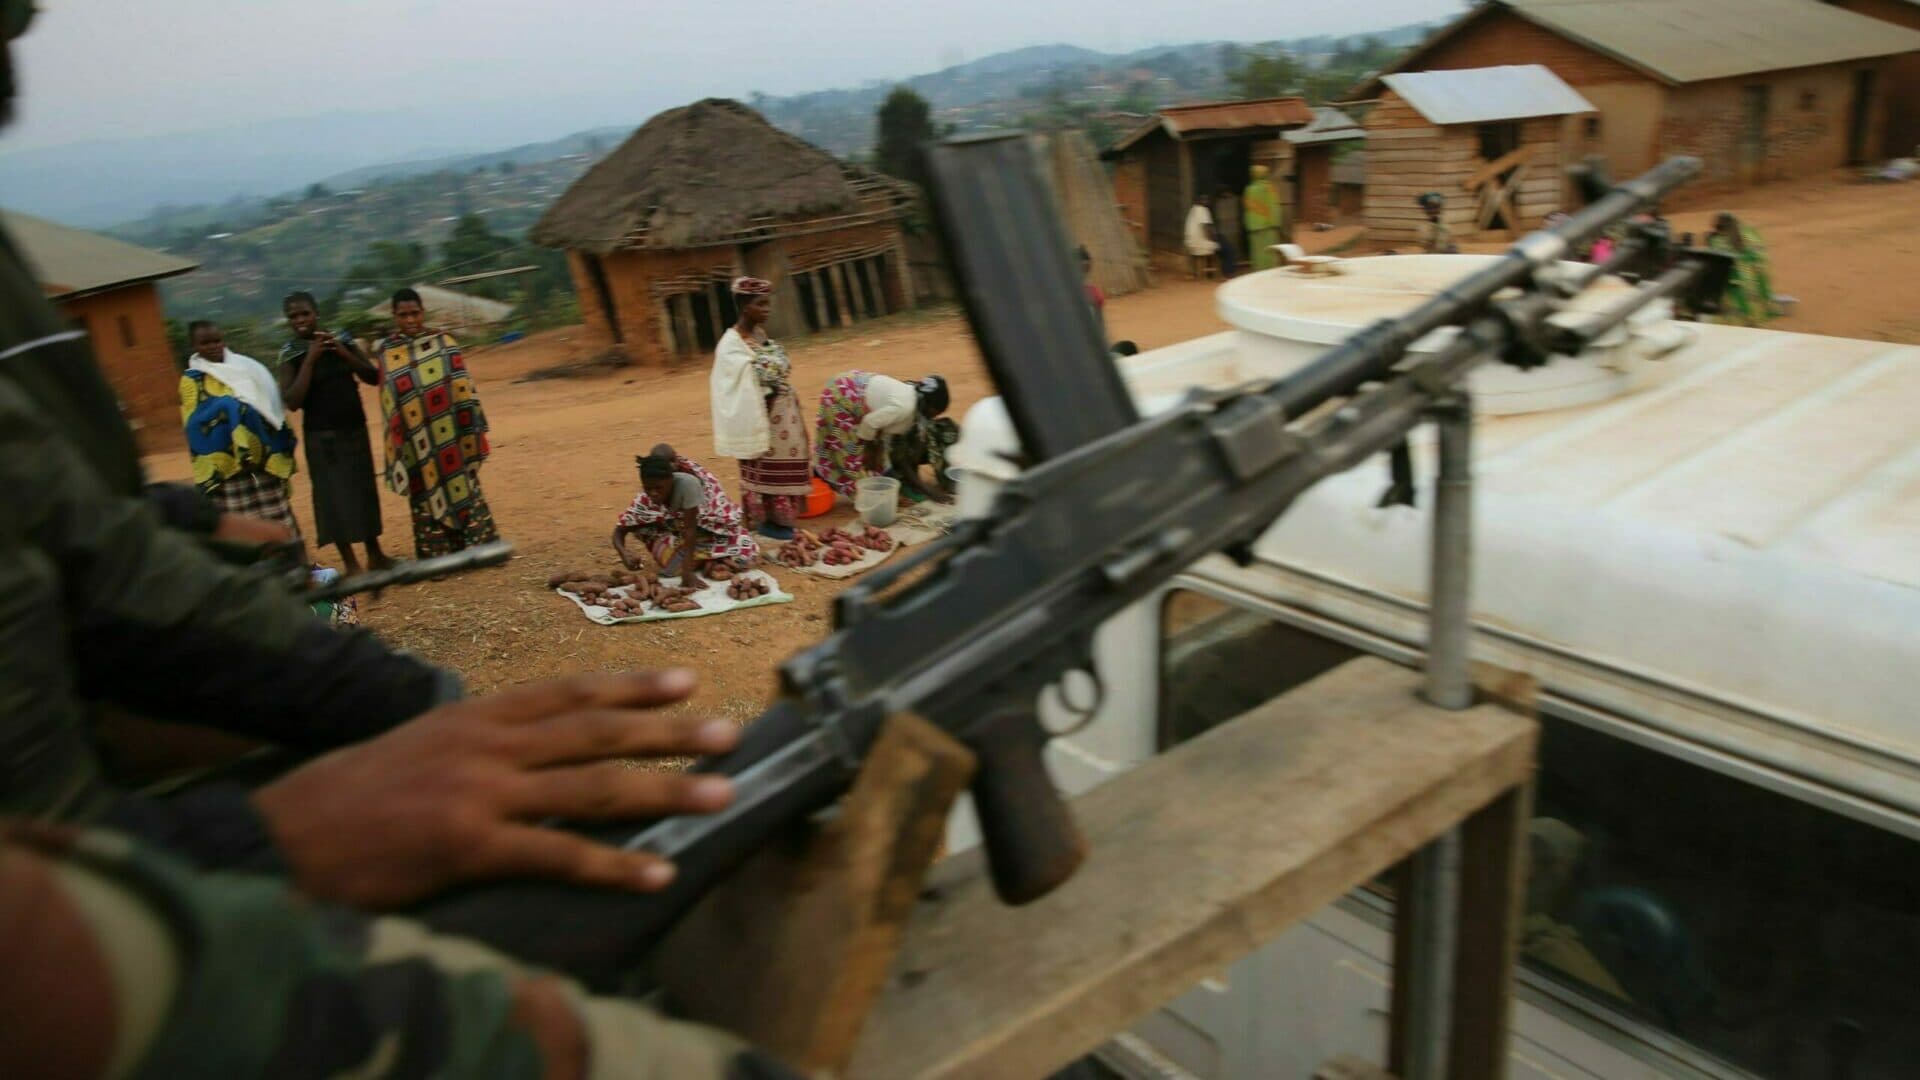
(1368,356)
(492,553)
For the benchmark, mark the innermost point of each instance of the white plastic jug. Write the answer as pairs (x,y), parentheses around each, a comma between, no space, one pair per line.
(878,500)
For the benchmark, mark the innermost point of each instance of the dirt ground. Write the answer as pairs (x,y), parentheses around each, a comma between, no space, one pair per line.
(562,465)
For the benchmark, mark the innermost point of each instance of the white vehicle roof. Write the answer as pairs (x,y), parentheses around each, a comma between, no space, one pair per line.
(1740,518)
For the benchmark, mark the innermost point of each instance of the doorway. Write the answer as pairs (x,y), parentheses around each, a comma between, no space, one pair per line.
(1757,104)
(597,273)
(1860,123)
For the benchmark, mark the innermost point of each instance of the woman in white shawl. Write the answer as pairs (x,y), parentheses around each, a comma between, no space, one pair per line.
(757,418)
(237,430)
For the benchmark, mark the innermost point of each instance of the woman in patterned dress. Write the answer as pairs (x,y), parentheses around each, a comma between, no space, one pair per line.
(682,511)
(756,417)
(436,433)
(859,413)
(237,430)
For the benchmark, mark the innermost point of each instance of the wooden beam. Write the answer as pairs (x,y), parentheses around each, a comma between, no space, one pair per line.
(664,314)
(1497,166)
(1493,885)
(1246,830)
(791,951)
(822,318)
(875,293)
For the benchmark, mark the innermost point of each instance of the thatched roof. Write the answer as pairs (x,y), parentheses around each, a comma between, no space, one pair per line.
(713,173)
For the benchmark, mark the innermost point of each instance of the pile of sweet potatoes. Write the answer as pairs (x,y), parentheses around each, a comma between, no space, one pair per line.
(623,593)
(746,588)
(835,547)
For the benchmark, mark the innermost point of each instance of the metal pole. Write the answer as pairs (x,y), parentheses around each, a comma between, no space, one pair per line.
(1450,574)
(1433,881)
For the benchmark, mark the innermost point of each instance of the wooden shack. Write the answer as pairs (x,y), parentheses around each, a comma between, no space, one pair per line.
(655,232)
(1488,140)
(1185,150)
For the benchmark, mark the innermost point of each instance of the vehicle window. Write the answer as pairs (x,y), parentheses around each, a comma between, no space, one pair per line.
(1762,930)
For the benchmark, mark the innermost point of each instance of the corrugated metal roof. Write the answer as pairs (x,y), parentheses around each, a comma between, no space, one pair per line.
(1482,95)
(452,307)
(1682,41)
(1183,120)
(1329,125)
(69,261)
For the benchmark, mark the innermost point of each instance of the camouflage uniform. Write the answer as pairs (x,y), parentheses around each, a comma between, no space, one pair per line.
(102,603)
(123,963)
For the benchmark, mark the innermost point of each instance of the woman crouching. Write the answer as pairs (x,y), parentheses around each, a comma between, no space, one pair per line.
(683,519)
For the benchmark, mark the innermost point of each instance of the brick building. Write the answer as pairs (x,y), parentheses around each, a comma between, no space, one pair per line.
(1491,141)
(699,195)
(1332,134)
(1902,75)
(108,289)
(1758,89)
(1187,149)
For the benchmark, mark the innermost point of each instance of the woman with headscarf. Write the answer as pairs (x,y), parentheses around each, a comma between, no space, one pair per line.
(683,519)
(436,433)
(1263,218)
(237,430)
(1749,297)
(923,447)
(756,416)
(859,413)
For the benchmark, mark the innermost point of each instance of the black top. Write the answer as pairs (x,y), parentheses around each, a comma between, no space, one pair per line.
(333,398)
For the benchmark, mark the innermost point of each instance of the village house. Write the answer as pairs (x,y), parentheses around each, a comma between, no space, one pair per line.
(108,290)
(1491,142)
(1186,150)
(656,231)
(1902,75)
(1332,134)
(1758,89)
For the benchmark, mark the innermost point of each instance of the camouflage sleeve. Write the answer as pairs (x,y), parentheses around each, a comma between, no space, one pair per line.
(122,963)
(143,616)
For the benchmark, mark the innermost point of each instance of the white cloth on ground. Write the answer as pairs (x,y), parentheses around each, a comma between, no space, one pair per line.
(1199,219)
(740,425)
(891,407)
(250,382)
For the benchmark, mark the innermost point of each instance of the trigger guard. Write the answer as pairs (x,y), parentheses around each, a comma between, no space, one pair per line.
(1081,716)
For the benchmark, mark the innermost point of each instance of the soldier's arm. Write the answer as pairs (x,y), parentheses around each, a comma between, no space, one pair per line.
(121,963)
(162,627)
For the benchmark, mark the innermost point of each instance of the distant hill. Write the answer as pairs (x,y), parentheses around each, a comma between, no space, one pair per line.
(580,142)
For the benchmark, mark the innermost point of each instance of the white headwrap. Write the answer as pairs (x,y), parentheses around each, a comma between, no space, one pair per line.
(250,382)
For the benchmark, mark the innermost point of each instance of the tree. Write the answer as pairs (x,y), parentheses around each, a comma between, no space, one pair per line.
(318,191)
(506,168)
(905,123)
(1265,75)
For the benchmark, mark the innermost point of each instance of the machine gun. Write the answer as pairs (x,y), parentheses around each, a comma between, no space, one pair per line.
(969,631)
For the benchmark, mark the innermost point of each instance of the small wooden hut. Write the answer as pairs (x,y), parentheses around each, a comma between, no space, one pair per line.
(1090,211)
(699,195)
(1314,149)
(1489,140)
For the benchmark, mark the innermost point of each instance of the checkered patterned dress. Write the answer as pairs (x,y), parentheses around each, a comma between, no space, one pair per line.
(436,438)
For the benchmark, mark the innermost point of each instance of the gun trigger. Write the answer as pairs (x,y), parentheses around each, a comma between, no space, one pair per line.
(1400,488)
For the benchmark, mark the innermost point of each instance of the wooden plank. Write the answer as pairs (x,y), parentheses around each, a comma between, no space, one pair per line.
(838,273)
(792,950)
(1403,134)
(1493,881)
(665,317)
(1346,1067)
(1497,166)
(822,317)
(1249,829)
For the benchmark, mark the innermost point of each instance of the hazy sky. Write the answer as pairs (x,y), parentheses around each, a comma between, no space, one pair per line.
(112,68)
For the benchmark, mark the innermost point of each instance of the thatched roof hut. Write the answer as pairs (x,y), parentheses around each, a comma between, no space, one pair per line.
(711,173)
(704,192)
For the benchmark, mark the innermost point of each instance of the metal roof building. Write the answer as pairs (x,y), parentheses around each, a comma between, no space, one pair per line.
(1188,150)
(1484,95)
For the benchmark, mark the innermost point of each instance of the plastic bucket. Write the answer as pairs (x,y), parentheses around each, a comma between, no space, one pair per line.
(819,499)
(878,500)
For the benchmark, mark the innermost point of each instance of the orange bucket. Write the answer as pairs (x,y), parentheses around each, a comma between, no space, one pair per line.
(819,500)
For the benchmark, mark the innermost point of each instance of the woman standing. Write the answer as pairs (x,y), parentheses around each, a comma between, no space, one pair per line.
(683,518)
(756,417)
(1263,219)
(1749,298)
(436,433)
(859,413)
(237,430)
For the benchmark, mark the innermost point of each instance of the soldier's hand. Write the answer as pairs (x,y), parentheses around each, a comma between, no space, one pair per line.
(457,794)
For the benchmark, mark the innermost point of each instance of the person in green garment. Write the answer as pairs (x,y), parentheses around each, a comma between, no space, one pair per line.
(1264,220)
(1749,298)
